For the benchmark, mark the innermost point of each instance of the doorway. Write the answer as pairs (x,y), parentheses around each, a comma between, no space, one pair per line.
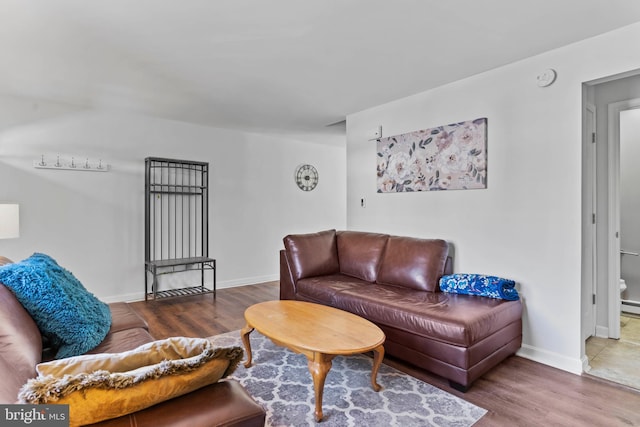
(630,208)
(622,174)
(601,296)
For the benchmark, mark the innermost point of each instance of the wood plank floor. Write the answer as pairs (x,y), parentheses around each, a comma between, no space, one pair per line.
(518,392)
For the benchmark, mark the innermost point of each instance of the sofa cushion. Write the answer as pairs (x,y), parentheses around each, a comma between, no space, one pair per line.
(323,289)
(123,340)
(413,263)
(20,346)
(359,253)
(20,339)
(72,318)
(460,320)
(103,386)
(11,382)
(223,404)
(313,254)
(124,317)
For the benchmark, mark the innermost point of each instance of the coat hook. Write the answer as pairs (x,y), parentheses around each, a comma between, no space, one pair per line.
(62,164)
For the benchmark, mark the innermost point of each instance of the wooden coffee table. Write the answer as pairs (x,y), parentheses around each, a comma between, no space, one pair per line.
(317,331)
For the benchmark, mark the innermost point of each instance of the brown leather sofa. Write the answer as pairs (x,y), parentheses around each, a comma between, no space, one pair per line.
(393,281)
(225,403)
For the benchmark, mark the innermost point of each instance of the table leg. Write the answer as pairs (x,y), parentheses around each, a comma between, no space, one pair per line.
(319,366)
(244,334)
(378,355)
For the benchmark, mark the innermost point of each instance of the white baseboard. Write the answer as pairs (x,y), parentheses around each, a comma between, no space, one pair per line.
(135,296)
(574,366)
(602,331)
(139,296)
(247,281)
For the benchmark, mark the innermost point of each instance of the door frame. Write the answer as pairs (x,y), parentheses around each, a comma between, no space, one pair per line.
(613,124)
(590,256)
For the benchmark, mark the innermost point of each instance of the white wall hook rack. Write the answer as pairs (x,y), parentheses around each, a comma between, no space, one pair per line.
(71,164)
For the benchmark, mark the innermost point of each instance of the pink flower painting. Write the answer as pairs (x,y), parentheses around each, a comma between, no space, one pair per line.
(452,157)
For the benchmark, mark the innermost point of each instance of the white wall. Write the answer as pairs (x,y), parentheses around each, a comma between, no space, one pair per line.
(527,224)
(630,201)
(93,223)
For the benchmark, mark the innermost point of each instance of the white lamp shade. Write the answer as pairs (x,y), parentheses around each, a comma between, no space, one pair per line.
(9,221)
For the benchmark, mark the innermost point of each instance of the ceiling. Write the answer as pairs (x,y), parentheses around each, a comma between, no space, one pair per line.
(277,65)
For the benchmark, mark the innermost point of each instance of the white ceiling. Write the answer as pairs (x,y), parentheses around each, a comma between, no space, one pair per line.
(274,65)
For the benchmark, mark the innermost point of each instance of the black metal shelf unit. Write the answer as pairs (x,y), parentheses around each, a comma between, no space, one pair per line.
(176,224)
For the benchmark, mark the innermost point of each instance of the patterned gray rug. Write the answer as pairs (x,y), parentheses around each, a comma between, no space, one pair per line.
(280,381)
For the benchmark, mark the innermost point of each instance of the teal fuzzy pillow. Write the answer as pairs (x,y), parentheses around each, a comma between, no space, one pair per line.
(71,317)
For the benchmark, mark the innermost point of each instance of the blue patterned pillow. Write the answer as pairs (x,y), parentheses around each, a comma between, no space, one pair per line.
(72,318)
(480,285)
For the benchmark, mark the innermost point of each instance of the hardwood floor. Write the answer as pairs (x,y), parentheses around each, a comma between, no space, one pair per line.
(201,315)
(518,392)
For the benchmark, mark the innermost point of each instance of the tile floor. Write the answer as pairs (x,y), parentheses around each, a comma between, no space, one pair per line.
(617,360)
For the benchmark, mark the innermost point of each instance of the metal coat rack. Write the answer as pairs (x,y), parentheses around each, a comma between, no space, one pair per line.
(176,224)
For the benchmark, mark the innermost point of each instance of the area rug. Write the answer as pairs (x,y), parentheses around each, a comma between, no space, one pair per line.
(280,381)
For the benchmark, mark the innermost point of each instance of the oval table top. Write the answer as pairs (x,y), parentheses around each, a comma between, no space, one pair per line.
(314,327)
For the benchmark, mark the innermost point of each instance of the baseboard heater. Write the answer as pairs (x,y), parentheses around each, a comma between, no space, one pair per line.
(630,306)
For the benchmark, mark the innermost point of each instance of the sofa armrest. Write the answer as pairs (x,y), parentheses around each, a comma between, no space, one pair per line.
(287,283)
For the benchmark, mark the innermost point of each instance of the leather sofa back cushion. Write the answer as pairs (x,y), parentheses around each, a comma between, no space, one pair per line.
(20,339)
(360,253)
(413,263)
(10,383)
(313,254)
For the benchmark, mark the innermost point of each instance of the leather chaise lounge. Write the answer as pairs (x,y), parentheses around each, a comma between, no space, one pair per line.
(393,281)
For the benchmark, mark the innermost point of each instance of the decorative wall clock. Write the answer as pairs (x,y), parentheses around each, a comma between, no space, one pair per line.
(306,177)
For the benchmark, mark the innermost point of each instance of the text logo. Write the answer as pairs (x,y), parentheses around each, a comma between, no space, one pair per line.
(34,415)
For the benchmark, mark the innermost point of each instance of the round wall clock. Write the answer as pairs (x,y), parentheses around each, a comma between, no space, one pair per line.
(306,177)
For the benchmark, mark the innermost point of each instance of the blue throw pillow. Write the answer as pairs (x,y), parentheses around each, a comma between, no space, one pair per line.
(480,285)
(71,317)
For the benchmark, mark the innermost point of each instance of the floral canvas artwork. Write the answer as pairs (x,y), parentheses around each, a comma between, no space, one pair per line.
(452,157)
